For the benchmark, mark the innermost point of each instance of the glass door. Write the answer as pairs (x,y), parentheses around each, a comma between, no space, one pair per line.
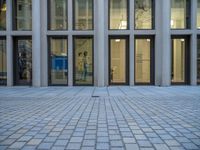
(118,61)
(144,60)
(23,61)
(180,60)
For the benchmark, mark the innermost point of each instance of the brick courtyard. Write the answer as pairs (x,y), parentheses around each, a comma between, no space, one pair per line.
(116,118)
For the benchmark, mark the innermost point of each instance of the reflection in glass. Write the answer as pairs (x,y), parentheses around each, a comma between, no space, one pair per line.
(198,61)
(3,62)
(143,14)
(23,14)
(180,14)
(118,14)
(83,10)
(59,61)
(23,64)
(142,60)
(198,14)
(178,60)
(2,14)
(83,51)
(58,15)
(118,61)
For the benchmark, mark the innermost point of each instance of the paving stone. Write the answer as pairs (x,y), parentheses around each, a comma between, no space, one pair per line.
(131,146)
(102,146)
(45,146)
(17,145)
(34,142)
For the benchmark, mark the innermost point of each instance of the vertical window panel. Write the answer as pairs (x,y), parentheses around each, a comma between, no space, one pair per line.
(180,60)
(83,60)
(83,14)
(22,14)
(118,61)
(23,58)
(58,61)
(180,14)
(118,14)
(2,14)
(143,60)
(57,15)
(3,62)
(144,14)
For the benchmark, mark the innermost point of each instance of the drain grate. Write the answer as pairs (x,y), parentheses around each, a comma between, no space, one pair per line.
(94,96)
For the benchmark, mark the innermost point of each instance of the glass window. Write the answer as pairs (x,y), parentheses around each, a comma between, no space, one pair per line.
(83,61)
(3,62)
(58,15)
(180,60)
(118,16)
(198,60)
(143,14)
(180,14)
(22,14)
(118,61)
(198,14)
(23,59)
(83,14)
(143,60)
(2,14)
(58,61)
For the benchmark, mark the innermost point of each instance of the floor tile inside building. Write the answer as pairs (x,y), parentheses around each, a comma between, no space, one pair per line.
(116,118)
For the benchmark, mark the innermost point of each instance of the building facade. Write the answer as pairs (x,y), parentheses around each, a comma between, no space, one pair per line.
(99,42)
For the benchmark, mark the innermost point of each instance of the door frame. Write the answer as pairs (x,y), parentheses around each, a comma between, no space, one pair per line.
(16,80)
(187,58)
(126,61)
(49,59)
(74,58)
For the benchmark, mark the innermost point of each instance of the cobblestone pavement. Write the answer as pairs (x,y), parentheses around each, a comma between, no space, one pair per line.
(116,118)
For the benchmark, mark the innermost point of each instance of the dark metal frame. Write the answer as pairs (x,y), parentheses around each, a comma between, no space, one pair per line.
(152,59)
(152,13)
(3,38)
(188,16)
(16,81)
(111,37)
(14,16)
(74,58)
(74,16)
(49,16)
(128,17)
(187,59)
(49,59)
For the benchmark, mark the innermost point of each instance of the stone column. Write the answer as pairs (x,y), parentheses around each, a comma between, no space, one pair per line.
(100,34)
(166,43)
(36,45)
(193,44)
(9,43)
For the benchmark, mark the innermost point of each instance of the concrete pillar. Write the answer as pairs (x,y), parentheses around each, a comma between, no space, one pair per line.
(44,46)
(166,43)
(193,44)
(36,45)
(9,43)
(100,42)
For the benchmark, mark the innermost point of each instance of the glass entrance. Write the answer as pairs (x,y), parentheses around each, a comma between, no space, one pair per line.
(198,60)
(23,61)
(118,69)
(180,60)
(144,60)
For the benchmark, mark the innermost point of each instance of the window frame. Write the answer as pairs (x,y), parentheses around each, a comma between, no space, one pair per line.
(187,59)
(49,17)
(127,71)
(74,58)
(152,13)
(152,59)
(74,17)
(127,17)
(49,58)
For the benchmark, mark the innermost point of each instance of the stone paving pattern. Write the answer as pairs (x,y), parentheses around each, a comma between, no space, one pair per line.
(88,118)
